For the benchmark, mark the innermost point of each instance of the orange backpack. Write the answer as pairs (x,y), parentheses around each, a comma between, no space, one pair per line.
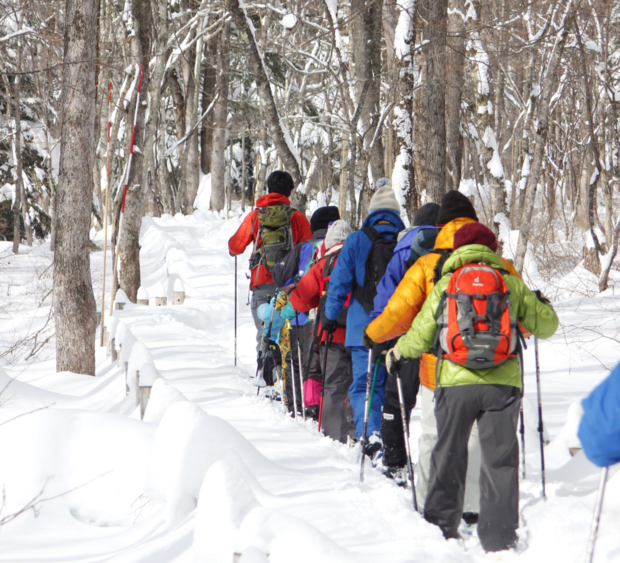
(476,327)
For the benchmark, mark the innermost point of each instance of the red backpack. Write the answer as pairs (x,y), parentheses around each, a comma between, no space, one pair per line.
(476,328)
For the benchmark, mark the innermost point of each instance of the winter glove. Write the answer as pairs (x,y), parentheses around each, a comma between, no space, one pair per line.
(288,312)
(366,340)
(379,350)
(394,361)
(541,297)
(282,301)
(327,324)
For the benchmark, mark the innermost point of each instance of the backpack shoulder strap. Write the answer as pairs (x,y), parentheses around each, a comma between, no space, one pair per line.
(444,254)
(372,233)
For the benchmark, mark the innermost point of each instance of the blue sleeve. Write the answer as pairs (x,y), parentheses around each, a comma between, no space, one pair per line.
(388,284)
(341,279)
(599,430)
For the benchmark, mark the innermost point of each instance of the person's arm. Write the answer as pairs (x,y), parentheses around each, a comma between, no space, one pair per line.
(300,227)
(307,293)
(342,277)
(536,317)
(420,338)
(244,235)
(402,307)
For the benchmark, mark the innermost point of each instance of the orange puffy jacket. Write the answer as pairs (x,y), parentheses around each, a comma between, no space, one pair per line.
(246,233)
(407,301)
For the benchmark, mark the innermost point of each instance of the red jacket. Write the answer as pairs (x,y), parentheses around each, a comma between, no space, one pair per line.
(248,230)
(307,294)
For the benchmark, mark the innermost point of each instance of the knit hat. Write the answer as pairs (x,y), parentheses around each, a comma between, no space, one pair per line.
(475,233)
(337,232)
(454,205)
(384,198)
(323,216)
(426,215)
(382,182)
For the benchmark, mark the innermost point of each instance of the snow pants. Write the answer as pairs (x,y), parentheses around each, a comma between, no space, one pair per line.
(260,294)
(496,409)
(392,431)
(338,378)
(357,392)
(428,439)
(303,335)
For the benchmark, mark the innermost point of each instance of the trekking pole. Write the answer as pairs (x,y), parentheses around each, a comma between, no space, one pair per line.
(540,420)
(105,220)
(403,414)
(370,391)
(120,221)
(235,310)
(301,373)
(598,507)
(328,341)
(521,417)
(293,380)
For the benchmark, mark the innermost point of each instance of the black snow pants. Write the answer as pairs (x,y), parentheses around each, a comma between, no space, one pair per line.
(496,408)
(338,379)
(394,452)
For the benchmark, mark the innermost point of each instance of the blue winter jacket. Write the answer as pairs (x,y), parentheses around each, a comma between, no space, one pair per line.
(350,269)
(599,430)
(424,242)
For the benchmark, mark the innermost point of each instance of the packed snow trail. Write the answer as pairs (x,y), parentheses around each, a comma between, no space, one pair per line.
(214,470)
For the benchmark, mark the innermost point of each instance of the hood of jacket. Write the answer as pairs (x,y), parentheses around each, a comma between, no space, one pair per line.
(471,253)
(375,218)
(445,238)
(272,199)
(407,239)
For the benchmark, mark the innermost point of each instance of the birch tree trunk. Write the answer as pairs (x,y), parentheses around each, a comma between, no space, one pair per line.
(74,303)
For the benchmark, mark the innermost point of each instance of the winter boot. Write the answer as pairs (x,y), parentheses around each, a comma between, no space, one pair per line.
(312,412)
(398,474)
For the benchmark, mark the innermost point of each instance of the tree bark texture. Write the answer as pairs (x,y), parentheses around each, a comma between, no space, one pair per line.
(74,303)
(208,94)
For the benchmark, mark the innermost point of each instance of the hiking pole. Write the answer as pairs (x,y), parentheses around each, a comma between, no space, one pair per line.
(403,414)
(235,310)
(293,379)
(301,373)
(370,391)
(328,341)
(105,220)
(120,221)
(521,417)
(540,420)
(598,507)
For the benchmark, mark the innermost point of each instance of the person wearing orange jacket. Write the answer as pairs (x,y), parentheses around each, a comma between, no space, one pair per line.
(455,211)
(279,188)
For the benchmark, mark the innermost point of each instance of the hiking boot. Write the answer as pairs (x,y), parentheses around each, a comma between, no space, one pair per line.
(373,446)
(470,518)
(398,474)
(312,412)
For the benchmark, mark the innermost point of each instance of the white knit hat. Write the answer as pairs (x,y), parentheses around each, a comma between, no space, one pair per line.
(337,232)
(384,198)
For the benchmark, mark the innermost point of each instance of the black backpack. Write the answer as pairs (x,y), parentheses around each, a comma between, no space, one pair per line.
(444,254)
(328,268)
(379,257)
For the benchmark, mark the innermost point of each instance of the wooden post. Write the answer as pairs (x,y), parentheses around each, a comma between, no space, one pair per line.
(160,301)
(142,297)
(179,298)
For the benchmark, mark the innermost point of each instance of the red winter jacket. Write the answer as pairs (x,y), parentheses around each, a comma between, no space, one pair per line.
(248,230)
(307,294)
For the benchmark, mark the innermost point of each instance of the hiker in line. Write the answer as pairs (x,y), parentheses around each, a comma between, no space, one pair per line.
(274,227)
(475,307)
(455,211)
(310,294)
(285,273)
(599,429)
(412,244)
(348,278)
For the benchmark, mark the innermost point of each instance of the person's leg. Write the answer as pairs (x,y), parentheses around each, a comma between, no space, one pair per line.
(499,477)
(337,382)
(428,439)
(456,409)
(260,294)
(291,358)
(357,391)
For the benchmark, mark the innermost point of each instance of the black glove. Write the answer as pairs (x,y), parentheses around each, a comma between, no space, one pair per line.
(367,341)
(379,350)
(541,297)
(327,324)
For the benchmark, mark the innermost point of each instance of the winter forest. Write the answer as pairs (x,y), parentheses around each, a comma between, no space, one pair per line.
(135,137)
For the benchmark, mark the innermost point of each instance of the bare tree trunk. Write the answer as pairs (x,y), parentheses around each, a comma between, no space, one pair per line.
(220,115)
(74,303)
(208,94)
(435,55)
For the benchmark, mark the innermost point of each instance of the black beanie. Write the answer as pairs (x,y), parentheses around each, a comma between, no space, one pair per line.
(280,182)
(426,215)
(454,205)
(323,216)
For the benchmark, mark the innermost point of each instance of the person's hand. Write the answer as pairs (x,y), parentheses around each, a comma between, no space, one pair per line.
(541,297)
(366,340)
(328,324)
(379,350)
(393,361)
(282,300)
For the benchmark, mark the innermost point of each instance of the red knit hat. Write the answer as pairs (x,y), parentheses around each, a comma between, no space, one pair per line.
(475,233)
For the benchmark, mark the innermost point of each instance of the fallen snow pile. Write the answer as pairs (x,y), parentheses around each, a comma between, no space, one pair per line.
(212,470)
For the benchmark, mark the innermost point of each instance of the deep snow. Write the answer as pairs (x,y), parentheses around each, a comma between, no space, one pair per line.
(214,470)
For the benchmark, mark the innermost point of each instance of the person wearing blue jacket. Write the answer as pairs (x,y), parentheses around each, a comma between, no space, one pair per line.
(599,429)
(384,216)
(416,242)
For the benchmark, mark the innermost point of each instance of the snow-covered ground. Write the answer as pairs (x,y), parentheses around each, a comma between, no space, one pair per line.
(214,470)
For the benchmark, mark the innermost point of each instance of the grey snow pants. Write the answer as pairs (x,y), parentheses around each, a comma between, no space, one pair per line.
(338,379)
(260,294)
(496,408)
